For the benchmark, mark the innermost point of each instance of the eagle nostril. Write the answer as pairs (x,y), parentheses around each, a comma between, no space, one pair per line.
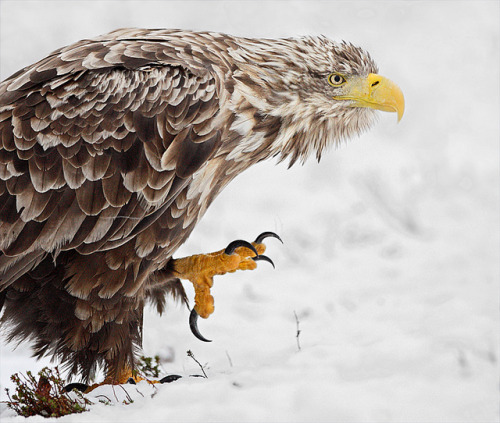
(375,83)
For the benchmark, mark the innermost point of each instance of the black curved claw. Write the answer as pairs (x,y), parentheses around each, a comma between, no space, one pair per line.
(264,258)
(82,387)
(193,324)
(170,378)
(265,235)
(239,243)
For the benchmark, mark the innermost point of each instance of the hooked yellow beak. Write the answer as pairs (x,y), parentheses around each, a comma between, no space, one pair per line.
(375,92)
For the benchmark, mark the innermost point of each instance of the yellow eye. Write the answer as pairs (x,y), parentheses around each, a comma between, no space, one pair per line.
(335,79)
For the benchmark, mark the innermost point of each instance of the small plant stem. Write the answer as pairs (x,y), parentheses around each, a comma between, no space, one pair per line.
(298,330)
(190,354)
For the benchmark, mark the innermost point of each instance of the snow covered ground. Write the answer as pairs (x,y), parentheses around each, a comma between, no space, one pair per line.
(391,254)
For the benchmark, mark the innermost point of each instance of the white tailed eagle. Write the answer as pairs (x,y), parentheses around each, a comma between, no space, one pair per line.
(113,148)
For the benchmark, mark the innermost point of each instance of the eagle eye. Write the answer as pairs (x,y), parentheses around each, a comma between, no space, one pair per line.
(335,79)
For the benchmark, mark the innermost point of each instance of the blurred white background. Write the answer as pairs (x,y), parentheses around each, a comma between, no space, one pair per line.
(391,255)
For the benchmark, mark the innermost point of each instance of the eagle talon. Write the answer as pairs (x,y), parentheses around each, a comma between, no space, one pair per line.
(264,258)
(239,243)
(82,387)
(265,235)
(170,378)
(193,324)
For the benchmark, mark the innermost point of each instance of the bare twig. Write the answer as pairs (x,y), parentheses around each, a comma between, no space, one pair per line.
(129,398)
(114,393)
(190,354)
(298,330)
(104,396)
(229,358)
(155,391)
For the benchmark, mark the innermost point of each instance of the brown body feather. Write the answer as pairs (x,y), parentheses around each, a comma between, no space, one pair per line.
(112,149)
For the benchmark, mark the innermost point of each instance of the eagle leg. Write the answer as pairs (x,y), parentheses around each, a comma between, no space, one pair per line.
(126,375)
(201,268)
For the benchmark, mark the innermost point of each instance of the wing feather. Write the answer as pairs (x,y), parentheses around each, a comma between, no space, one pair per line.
(114,190)
(98,145)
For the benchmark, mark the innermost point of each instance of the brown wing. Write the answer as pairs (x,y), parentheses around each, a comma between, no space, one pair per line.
(98,143)
(91,157)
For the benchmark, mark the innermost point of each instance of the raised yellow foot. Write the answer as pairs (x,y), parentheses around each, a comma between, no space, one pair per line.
(201,268)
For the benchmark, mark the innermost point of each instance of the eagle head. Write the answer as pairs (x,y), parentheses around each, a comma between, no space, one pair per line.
(323,91)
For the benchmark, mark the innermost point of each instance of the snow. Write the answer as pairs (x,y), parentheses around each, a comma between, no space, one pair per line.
(390,258)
